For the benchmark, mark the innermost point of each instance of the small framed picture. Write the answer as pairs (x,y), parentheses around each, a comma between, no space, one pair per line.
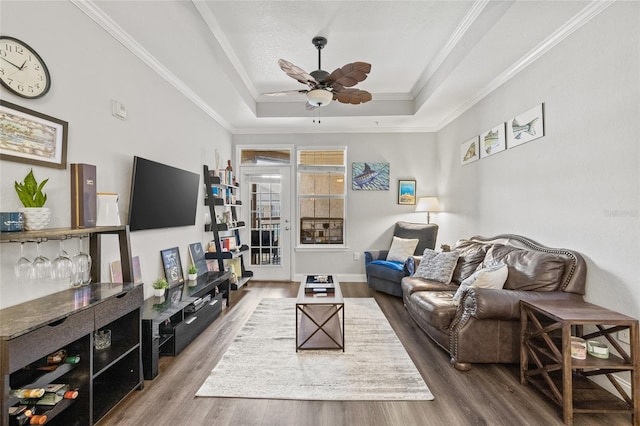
(174,294)
(470,150)
(172,266)
(406,191)
(492,141)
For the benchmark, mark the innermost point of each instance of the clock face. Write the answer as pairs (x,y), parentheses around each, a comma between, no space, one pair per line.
(22,70)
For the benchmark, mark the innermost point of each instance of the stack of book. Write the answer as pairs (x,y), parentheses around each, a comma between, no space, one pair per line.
(319,284)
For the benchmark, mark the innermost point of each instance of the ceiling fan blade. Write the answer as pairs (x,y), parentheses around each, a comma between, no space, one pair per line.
(286,93)
(350,74)
(297,73)
(352,96)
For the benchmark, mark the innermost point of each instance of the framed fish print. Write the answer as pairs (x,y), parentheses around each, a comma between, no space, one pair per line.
(470,151)
(370,176)
(492,141)
(526,127)
(407,192)
(172,266)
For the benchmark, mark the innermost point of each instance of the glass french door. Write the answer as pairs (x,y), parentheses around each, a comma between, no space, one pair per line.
(266,190)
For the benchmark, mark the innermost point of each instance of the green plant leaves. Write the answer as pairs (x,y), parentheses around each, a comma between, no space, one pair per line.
(29,192)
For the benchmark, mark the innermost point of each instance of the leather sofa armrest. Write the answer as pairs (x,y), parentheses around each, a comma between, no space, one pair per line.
(371,255)
(411,264)
(501,304)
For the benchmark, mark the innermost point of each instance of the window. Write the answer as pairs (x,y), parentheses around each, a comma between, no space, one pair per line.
(321,196)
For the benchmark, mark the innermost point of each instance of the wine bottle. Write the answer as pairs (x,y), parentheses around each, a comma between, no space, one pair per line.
(38,419)
(27,393)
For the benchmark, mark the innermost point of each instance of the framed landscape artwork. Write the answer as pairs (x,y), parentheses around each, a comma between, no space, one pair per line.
(526,127)
(370,176)
(30,137)
(470,151)
(492,141)
(406,192)
(172,266)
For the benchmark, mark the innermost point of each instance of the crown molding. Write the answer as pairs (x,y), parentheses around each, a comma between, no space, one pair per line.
(580,19)
(89,8)
(216,31)
(462,28)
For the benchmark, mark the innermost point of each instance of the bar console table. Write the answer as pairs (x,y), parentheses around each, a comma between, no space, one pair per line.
(546,332)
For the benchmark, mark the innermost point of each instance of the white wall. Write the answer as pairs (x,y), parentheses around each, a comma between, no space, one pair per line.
(579,186)
(370,214)
(89,68)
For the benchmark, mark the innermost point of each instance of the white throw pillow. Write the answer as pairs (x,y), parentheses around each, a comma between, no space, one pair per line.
(401,249)
(437,266)
(493,277)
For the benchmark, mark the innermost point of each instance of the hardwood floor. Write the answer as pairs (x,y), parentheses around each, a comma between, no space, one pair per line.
(486,395)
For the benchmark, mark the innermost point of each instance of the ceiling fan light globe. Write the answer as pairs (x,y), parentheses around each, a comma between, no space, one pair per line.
(319,97)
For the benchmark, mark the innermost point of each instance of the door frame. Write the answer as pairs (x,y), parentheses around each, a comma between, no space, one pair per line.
(287,169)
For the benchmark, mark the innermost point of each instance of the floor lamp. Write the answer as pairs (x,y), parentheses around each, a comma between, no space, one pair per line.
(428,204)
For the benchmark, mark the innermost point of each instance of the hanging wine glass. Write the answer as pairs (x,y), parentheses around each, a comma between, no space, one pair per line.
(82,263)
(62,267)
(41,266)
(22,267)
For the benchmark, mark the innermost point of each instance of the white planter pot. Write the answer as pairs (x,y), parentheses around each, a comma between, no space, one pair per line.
(158,292)
(36,218)
(193,277)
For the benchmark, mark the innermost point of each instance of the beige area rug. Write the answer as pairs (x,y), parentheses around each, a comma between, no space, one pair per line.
(262,361)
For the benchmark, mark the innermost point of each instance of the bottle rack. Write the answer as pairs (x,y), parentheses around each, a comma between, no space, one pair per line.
(68,319)
(221,198)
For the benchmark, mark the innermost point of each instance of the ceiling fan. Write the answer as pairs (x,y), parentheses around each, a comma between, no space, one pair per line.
(325,87)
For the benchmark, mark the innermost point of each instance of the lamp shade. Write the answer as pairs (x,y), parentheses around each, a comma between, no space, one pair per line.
(428,204)
(319,97)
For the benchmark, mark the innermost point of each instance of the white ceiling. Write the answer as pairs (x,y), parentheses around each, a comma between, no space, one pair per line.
(431,60)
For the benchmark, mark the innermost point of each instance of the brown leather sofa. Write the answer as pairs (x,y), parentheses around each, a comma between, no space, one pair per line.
(485,326)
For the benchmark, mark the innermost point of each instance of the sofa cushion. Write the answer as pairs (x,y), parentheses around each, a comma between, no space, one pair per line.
(493,277)
(471,255)
(434,307)
(528,270)
(401,249)
(437,266)
(398,266)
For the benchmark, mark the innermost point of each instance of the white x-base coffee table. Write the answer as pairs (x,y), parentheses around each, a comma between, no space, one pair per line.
(319,314)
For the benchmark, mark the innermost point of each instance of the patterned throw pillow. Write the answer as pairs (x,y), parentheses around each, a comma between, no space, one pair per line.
(437,266)
(401,249)
(493,277)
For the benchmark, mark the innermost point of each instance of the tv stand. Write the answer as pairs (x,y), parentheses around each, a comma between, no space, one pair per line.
(169,328)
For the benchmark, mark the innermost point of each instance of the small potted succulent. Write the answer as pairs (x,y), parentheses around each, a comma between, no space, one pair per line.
(193,273)
(29,191)
(159,287)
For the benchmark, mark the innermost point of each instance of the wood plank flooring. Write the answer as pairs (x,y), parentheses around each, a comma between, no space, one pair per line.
(486,395)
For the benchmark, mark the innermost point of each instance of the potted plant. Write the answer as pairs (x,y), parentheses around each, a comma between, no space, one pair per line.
(193,273)
(29,191)
(159,287)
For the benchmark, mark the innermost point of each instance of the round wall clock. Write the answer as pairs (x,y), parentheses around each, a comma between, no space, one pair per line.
(22,70)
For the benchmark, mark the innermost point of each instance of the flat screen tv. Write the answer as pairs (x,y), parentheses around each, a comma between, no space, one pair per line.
(162,196)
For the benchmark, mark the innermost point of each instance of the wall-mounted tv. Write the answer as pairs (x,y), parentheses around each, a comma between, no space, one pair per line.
(162,196)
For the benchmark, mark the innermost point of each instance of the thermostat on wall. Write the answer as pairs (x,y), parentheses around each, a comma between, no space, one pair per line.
(118,110)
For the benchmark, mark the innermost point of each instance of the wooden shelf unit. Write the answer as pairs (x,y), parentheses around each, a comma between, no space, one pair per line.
(546,331)
(224,203)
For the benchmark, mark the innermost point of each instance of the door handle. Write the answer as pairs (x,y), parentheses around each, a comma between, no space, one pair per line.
(286,228)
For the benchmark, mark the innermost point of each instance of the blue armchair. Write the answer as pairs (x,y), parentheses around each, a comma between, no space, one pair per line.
(384,275)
